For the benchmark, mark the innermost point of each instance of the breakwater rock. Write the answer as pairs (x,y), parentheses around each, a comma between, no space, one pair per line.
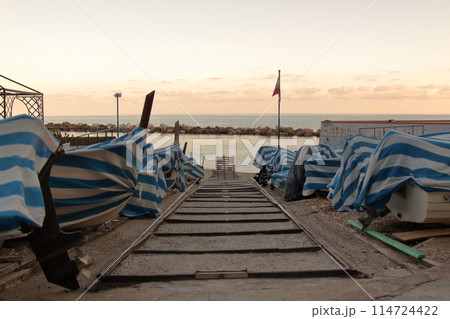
(185,129)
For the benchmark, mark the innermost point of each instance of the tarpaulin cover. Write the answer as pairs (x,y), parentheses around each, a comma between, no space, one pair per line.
(25,147)
(277,161)
(373,169)
(92,184)
(314,167)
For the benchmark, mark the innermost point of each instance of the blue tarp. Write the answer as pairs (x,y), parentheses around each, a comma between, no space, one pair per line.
(344,188)
(25,147)
(277,161)
(373,169)
(177,167)
(92,184)
(400,158)
(161,172)
(313,169)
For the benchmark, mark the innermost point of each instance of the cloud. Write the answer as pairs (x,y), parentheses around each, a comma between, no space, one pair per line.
(214,79)
(284,76)
(365,77)
(391,92)
(306,93)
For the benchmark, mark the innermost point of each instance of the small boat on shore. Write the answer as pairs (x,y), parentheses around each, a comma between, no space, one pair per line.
(28,151)
(408,175)
(25,147)
(274,163)
(92,184)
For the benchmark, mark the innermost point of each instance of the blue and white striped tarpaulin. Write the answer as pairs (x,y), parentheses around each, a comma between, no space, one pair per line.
(150,189)
(303,179)
(277,162)
(400,158)
(319,174)
(25,147)
(160,172)
(177,168)
(92,184)
(320,168)
(169,161)
(275,159)
(345,187)
(192,170)
(278,180)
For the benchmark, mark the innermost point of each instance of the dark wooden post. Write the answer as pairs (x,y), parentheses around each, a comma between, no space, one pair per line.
(146,112)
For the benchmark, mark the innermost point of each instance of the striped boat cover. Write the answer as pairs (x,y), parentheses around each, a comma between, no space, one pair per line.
(177,168)
(278,180)
(92,184)
(303,179)
(319,174)
(344,188)
(150,189)
(25,147)
(152,186)
(276,160)
(192,170)
(400,158)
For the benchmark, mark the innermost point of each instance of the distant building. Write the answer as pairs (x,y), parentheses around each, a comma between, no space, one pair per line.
(334,131)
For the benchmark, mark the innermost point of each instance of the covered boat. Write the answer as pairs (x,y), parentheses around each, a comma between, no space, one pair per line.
(163,169)
(345,186)
(149,191)
(28,151)
(92,184)
(25,147)
(375,170)
(178,169)
(313,169)
(275,163)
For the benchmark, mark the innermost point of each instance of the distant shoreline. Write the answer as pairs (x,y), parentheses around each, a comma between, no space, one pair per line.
(66,127)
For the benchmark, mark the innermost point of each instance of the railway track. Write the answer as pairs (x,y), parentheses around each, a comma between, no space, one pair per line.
(225,229)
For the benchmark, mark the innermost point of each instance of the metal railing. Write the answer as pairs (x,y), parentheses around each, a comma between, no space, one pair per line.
(90,133)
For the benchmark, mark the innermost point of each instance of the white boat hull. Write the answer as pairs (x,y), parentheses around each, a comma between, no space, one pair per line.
(413,204)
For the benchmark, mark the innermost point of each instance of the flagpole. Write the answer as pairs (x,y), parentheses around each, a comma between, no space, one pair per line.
(279,100)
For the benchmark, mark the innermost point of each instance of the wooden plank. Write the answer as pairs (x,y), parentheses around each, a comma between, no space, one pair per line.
(228,251)
(222,216)
(174,220)
(227,195)
(221,274)
(422,234)
(226,199)
(227,210)
(226,204)
(406,249)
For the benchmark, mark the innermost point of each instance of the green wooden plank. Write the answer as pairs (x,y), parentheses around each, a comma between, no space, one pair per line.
(406,249)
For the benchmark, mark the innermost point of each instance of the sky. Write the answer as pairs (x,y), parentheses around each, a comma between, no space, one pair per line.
(335,56)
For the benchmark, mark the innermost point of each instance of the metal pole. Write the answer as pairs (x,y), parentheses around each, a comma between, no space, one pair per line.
(279,100)
(117,116)
(117,95)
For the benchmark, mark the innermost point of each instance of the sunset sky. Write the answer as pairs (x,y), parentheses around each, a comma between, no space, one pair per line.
(346,56)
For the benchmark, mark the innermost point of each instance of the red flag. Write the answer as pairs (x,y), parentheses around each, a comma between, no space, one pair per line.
(277,86)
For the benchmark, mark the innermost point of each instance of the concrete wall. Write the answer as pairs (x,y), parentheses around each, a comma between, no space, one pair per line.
(333,131)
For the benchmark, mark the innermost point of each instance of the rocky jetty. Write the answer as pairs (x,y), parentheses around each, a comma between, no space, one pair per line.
(185,129)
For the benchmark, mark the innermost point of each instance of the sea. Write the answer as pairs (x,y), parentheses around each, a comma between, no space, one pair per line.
(205,148)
